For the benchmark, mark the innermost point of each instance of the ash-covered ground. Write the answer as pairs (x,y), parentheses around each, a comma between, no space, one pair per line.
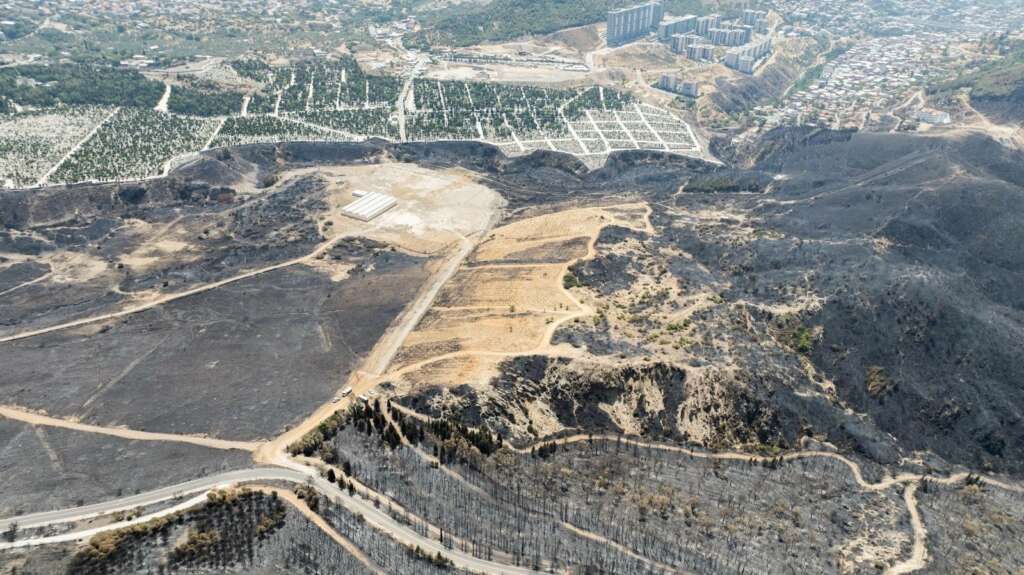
(854,293)
(854,286)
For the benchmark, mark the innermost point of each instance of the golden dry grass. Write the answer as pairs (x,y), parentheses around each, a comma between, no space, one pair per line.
(493,309)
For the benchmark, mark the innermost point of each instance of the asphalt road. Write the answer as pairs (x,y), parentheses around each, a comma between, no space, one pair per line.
(295,473)
(219,480)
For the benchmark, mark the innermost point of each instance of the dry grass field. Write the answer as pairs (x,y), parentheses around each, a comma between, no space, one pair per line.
(507,299)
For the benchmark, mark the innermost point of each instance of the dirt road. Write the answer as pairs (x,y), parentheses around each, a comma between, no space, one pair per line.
(322,248)
(47,421)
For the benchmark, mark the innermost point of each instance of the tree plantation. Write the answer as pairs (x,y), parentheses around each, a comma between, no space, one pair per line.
(78,123)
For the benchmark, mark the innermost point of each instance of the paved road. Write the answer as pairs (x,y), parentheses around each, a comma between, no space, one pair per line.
(150,497)
(294,473)
(88,533)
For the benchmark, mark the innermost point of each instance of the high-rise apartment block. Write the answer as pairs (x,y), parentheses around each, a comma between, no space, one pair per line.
(756,19)
(680,42)
(666,30)
(673,83)
(701,52)
(705,23)
(745,58)
(728,36)
(627,24)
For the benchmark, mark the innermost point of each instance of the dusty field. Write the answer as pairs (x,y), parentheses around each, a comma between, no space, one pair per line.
(507,299)
(638,55)
(435,208)
(504,73)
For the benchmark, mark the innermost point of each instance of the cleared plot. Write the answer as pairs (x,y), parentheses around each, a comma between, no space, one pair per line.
(568,146)
(571,223)
(460,368)
(31,143)
(540,251)
(621,145)
(435,208)
(492,309)
(485,331)
(134,144)
(495,287)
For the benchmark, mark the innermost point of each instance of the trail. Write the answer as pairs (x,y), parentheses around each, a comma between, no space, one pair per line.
(43,277)
(600,133)
(120,376)
(400,106)
(315,519)
(46,177)
(1012,136)
(322,248)
(435,462)
(544,346)
(44,420)
(919,553)
(884,171)
(380,357)
(215,133)
(161,106)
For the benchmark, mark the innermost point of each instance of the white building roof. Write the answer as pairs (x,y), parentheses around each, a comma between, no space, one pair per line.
(369,206)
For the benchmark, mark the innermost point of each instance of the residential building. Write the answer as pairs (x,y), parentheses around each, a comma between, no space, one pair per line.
(704,52)
(673,83)
(745,58)
(666,30)
(680,42)
(627,24)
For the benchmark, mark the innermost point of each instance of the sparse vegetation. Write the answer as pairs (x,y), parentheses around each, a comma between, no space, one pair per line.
(508,19)
(878,382)
(570,281)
